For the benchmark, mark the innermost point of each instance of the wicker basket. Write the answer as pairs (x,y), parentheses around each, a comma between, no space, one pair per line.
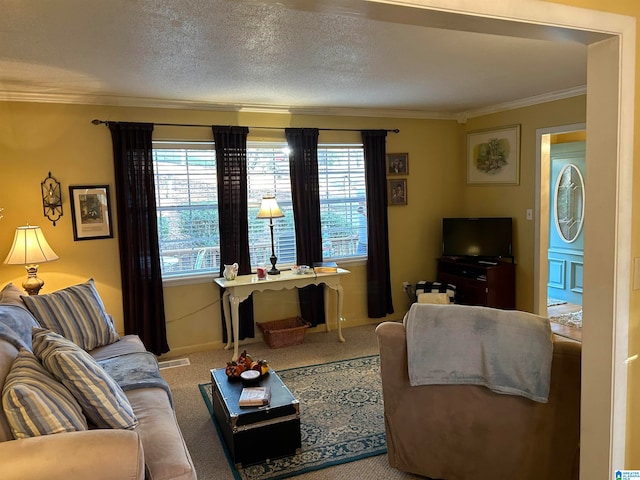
(285,332)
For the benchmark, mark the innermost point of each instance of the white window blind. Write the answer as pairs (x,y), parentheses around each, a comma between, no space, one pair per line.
(342,201)
(186,197)
(187,206)
(268,173)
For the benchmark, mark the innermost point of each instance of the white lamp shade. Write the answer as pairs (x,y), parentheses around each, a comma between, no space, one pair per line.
(29,247)
(269,208)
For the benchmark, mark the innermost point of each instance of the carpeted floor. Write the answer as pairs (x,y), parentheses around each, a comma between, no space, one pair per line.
(199,432)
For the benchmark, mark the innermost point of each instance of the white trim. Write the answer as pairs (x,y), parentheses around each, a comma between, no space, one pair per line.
(181,280)
(142,102)
(528,102)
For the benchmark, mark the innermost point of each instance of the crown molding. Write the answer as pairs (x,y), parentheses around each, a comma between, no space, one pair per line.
(144,102)
(524,102)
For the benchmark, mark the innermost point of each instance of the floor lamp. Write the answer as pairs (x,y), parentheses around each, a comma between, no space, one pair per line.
(269,209)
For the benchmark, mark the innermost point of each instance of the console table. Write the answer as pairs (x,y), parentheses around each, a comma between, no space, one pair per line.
(238,290)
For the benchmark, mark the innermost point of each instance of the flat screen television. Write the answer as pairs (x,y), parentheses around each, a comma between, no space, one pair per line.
(477,237)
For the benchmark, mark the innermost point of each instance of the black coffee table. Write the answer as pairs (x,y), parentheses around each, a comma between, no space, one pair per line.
(255,434)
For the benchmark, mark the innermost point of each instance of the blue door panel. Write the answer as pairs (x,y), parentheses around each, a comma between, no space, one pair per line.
(565,258)
(556,273)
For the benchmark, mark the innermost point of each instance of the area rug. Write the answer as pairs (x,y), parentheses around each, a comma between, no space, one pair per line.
(552,302)
(573,319)
(341,417)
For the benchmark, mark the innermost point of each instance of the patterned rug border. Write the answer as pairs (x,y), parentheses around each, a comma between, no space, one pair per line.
(329,463)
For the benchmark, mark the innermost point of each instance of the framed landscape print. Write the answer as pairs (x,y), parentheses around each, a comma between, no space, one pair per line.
(397,192)
(493,156)
(397,163)
(91,212)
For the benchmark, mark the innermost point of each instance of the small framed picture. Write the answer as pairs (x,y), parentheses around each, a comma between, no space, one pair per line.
(91,212)
(397,163)
(397,192)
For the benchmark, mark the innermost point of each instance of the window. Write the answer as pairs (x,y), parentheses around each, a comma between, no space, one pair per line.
(186,198)
(187,206)
(268,173)
(342,201)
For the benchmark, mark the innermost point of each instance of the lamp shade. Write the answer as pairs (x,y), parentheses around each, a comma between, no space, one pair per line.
(269,208)
(29,247)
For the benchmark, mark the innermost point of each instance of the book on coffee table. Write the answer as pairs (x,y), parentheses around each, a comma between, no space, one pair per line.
(255,397)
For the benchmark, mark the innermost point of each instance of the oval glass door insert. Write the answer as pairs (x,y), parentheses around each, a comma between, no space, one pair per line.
(569,201)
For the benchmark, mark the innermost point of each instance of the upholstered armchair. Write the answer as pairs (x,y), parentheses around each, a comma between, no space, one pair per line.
(469,432)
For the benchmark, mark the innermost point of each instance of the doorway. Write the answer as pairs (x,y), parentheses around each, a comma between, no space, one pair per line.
(565,253)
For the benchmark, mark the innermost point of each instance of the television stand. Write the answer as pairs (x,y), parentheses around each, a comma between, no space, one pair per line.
(487,262)
(484,282)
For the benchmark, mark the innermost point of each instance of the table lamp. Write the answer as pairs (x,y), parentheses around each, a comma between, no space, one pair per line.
(269,209)
(30,248)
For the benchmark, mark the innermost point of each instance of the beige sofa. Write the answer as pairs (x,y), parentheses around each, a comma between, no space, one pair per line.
(463,432)
(154,449)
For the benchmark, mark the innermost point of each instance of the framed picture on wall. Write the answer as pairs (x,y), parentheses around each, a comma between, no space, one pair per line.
(91,212)
(397,192)
(397,163)
(493,156)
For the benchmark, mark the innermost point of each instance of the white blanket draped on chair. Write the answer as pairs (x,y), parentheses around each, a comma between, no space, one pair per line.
(507,351)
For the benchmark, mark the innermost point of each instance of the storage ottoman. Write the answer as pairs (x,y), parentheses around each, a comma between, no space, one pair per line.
(255,434)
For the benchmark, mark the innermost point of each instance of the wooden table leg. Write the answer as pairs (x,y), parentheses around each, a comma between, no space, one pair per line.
(227,318)
(235,318)
(339,319)
(326,306)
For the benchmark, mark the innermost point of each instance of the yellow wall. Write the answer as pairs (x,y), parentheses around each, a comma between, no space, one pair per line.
(38,138)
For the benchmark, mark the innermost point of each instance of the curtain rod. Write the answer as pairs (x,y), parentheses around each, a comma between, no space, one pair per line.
(106,122)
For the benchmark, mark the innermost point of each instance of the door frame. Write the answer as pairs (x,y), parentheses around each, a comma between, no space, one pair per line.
(543,190)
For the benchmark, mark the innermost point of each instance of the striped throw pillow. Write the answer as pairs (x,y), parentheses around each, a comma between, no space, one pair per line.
(101,398)
(35,403)
(77,313)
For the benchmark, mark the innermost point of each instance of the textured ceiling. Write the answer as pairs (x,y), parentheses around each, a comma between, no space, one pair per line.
(275,55)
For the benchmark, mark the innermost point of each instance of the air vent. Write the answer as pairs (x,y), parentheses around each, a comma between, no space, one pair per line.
(180,362)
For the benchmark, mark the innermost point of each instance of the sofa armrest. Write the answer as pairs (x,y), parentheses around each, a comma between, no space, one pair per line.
(96,454)
(392,342)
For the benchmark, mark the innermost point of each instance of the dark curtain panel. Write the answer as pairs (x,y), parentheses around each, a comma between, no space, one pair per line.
(379,302)
(231,164)
(305,193)
(142,294)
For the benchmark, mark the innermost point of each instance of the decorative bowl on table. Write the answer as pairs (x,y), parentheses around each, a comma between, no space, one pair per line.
(250,377)
(300,269)
(245,363)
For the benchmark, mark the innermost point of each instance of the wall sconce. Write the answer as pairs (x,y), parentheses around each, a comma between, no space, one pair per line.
(51,199)
(30,248)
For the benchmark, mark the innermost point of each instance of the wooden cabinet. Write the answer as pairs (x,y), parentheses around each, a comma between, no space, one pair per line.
(485,283)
